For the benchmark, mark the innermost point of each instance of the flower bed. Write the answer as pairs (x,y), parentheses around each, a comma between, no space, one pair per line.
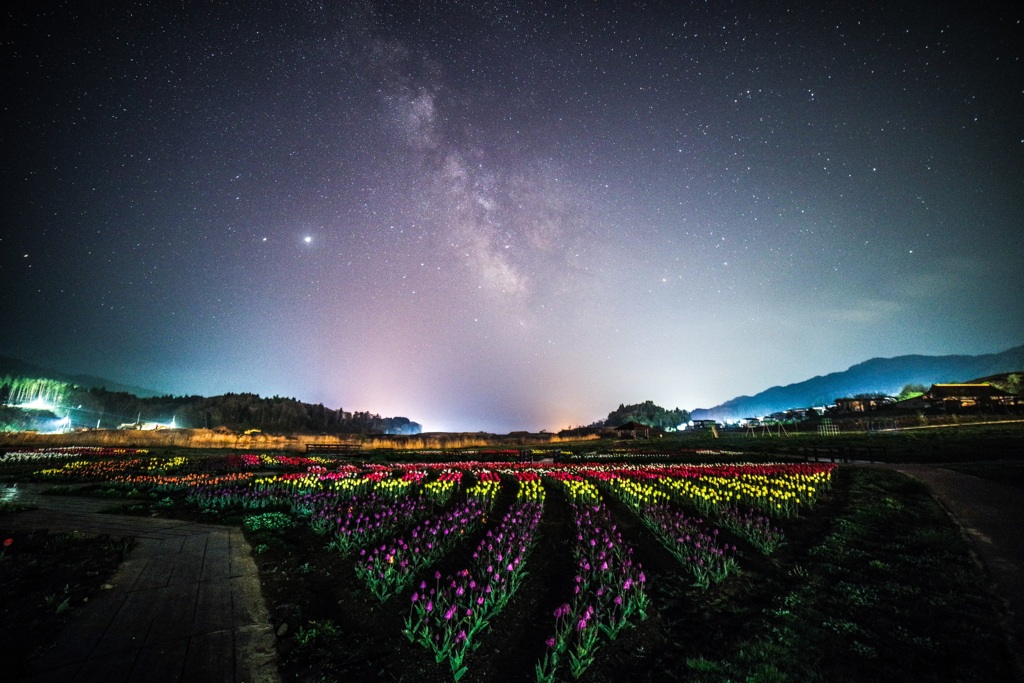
(430,572)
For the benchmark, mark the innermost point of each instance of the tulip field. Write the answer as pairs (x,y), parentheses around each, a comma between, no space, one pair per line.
(464,570)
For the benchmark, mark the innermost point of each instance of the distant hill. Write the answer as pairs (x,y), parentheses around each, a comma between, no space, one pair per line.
(93,401)
(878,375)
(15,367)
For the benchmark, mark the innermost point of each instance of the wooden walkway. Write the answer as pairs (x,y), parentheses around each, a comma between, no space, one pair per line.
(184,606)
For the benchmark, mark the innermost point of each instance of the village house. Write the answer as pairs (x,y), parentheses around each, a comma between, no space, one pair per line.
(637,430)
(862,404)
(955,398)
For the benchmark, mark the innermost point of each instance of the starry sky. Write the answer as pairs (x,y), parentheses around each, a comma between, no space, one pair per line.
(492,215)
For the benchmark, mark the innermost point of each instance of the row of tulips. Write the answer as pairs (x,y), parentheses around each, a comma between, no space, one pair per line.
(275,461)
(83,451)
(240,493)
(101,470)
(751,525)
(440,490)
(695,545)
(447,618)
(609,591)
(392,566)
(642,455)
(782,496)
(41,457)
(366,519)
(303,492)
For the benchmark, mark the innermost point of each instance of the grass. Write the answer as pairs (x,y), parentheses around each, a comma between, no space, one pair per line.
(10,506)
(890,593)
(949,444)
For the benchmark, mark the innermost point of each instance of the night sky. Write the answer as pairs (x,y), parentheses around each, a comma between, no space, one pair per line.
(499,215)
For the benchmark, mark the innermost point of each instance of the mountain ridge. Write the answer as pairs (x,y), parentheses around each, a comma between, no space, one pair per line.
(882,375)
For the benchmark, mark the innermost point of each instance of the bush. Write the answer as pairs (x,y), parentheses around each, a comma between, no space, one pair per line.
(268,521)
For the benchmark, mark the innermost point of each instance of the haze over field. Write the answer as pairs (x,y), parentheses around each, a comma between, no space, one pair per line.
(500,215)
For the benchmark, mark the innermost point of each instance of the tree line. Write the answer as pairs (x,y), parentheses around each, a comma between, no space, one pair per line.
(91,407)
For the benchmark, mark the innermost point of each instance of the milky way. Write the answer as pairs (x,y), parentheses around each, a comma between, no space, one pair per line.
(497,216)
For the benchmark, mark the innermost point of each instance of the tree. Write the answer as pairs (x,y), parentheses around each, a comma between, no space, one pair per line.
(647,413)
(1010,383)
(912,391)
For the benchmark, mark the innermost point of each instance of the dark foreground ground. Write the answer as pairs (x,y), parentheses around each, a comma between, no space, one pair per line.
(878,583)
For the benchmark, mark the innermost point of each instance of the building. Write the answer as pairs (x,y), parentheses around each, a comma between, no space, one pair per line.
(146,426)
(862,404)
(637,430)
(956,398)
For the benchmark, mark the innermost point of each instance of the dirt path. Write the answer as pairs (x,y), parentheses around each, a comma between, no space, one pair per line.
(185,605)
(992,515)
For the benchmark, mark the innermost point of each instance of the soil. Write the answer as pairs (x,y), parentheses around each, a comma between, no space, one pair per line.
(44,579)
